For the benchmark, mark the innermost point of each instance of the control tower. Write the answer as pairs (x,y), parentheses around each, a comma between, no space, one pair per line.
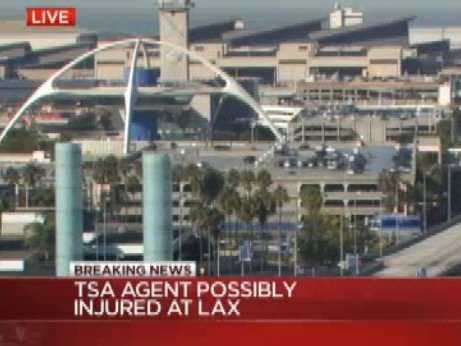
(174,26)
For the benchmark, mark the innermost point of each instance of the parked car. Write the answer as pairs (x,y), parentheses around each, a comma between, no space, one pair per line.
(249,160)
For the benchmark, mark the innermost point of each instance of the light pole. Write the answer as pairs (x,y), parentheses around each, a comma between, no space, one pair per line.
(104,230)
(253,125)
(424,203)
(295,256)
(341,246)
(355,236)
(449,211)
(96,231)
(381,226)
(180,222)
(356,254)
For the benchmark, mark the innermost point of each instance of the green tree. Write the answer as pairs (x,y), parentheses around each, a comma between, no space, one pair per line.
(31,176)
(264,207)
(247,181)
(4,206)
(41,239)
(43,197)
(319,243)
(229,204)
(106,172)
(263,180)
(311,199)
(12,177)
(281,197)
(194,178)
(211,185)
(21,140)
(207,220)
(389,184)
(233,178)
(198,220)
(214,223)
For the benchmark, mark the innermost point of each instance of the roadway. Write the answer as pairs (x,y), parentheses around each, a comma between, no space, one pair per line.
(438,254)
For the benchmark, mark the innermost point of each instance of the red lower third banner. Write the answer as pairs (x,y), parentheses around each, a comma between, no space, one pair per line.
(230,311)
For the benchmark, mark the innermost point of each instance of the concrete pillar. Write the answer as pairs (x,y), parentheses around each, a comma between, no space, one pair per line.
(303,130)
(69,206)
(174,29)
(157,216)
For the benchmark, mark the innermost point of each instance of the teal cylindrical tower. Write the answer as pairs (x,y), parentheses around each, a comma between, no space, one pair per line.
(69,206)
(157,216)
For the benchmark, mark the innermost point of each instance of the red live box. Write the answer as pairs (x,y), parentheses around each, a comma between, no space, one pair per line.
(51,16)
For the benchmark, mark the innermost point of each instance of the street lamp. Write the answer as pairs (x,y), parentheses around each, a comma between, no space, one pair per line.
(381,226)
(253,125)
(424,202)
(105,199)
(299,226)
(449,193)
(341,246)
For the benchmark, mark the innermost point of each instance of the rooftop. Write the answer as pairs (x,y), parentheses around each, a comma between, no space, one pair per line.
(19,26)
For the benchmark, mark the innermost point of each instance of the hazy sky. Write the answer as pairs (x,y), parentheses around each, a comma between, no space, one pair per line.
(454,4)
(140,16)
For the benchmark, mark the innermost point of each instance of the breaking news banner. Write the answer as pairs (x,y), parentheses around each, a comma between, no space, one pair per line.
(133,269)
(229,311)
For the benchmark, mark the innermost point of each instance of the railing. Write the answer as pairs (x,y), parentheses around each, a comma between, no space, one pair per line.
(250,53)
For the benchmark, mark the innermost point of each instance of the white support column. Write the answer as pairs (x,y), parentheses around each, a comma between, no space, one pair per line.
(130,97)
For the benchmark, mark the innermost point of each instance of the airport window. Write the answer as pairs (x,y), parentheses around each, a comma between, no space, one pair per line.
(293,61)
(334,188)
(384,61)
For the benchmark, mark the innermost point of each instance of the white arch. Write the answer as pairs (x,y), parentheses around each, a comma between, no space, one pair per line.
(231,86)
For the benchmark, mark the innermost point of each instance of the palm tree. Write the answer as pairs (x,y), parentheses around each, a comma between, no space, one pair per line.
(197,217)
(194,178)
(280,196)
(124,170)
(263,202)
(106,172)
(233,178)
(211,185)
(43,197)
(263,180)
(31,176)
(228,203)
(4,206)
(247,180)
(12,177)
(214,221)
(264,207)
(390,184)
(41,239)
(133,185)
(246,213)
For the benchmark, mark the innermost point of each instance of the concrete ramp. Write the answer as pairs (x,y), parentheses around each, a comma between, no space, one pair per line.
(438,254)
